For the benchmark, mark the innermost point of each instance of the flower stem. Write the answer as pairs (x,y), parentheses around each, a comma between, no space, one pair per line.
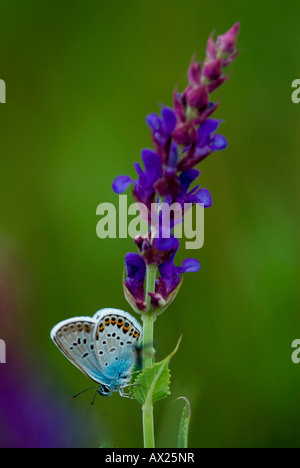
(150,281)
(148,322)
(148,425)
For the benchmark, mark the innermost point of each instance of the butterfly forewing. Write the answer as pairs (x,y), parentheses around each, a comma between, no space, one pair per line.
(75,338)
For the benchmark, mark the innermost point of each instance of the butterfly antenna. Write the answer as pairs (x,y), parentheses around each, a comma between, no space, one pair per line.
(72,398)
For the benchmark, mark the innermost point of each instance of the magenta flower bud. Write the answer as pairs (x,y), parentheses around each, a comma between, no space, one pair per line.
(142,243)
(194,73)
(213,85)
(179,106)
(226,43)
(139,305)
(207,113)
(161,251)
(157,300)
(198,97)
(213,69)
(211,51)
(167,186)
(229,60)
(185,134)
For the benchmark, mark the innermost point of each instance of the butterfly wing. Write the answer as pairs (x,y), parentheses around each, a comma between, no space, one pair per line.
(116,337)
(75,339)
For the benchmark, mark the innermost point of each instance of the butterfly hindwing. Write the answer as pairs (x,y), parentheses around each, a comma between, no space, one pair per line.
(117,334)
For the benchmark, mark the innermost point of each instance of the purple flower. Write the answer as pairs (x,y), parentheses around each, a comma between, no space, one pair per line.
(136,271)
(202,197)
(205,138)
(160,249)
(207,142)
(162,253)
(143,190)
(121,183)
(162,128)
(170,274)
(182,138)
(134,283)
(196,195)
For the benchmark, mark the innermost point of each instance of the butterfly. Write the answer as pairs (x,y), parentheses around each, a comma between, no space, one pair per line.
(103,347)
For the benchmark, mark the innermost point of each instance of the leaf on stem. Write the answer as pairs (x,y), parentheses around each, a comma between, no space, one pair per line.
(153,383)
(184,423)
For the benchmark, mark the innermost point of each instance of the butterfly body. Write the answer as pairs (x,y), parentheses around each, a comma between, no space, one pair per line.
(102,347)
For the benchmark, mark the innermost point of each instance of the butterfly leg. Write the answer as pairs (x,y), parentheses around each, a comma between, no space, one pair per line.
(125,395)
(93,401)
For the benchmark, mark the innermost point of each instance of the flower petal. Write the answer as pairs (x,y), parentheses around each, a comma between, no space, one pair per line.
(170,275)
(167,243)
(194,73)
(173,158)
(187,177)
(169,119)
(189,265)
(203,197)
(153,167)
(205,130)
(154,122)
(138,169)
(121,183)
(136,270)
(218,143)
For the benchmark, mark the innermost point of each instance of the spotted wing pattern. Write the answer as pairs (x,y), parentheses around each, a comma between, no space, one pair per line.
(117,335)
(75,339)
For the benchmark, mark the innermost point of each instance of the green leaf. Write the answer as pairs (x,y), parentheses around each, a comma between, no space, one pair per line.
(153,383)
(184,424)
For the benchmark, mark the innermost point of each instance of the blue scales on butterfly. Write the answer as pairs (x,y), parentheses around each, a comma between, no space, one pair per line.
(103,347)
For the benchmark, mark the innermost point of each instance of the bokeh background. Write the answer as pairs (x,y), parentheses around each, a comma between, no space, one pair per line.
(81,76)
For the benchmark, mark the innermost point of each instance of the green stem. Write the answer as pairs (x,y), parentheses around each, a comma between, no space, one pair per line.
(148,322)
(148,425)
(148,325)
(150,281)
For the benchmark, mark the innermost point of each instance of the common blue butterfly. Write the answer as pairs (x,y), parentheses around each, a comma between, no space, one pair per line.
(103,347)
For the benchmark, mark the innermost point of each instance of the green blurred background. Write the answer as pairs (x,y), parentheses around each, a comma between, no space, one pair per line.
(81,76)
